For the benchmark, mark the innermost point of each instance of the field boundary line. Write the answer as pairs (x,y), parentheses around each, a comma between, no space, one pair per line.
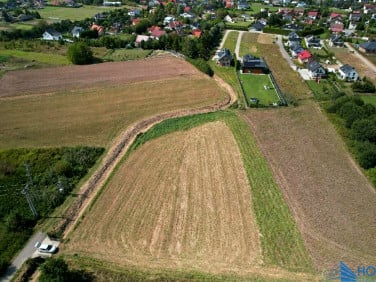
(118,150)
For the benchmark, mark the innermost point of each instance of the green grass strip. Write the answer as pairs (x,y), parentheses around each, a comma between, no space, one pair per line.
(281,240)
(47,58)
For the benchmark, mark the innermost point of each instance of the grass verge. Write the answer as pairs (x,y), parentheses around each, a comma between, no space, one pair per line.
(231,39)
(110,272)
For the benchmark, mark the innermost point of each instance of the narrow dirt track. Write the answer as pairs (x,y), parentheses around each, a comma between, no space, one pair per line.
(118,150)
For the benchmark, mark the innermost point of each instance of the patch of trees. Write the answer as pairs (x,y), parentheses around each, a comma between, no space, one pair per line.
(202,65)
(54,173)
(80,53)
(56,269)
(360,121)
(191,47)
(364,86)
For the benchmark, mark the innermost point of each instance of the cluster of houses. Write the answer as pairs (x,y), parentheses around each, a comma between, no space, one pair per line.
(315,69)
(249,63)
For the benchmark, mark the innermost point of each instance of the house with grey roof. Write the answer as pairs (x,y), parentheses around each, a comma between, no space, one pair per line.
(51,34)
(336,41)
(368,47)
(348,73)
(224,57)
(315,69)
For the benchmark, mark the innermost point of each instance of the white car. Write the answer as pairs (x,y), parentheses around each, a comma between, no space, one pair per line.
(46,248)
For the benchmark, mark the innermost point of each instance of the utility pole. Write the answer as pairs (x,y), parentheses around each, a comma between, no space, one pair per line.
(25,191)
(27,167)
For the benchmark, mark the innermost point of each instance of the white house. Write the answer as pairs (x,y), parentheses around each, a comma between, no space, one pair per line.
(168,20)
(347,72)
(76,31)
(51,34)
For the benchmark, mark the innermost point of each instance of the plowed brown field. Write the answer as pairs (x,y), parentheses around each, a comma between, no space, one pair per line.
(180,201)
(77,77)
(332,201)
(90,105)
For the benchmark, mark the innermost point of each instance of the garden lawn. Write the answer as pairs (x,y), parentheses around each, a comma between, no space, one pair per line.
(254,87)
(63,13)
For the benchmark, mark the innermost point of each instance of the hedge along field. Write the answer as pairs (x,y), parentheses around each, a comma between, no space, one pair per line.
(280,240)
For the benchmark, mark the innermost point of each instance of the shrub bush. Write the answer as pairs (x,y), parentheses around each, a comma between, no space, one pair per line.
(202,65)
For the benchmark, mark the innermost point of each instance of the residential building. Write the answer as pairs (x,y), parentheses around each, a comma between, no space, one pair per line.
(312,42)
(304,56)
(51,35)
(368,47)
(315,69)
(255,65)
(348,73)
(76,31)
(224,57)
(336,41)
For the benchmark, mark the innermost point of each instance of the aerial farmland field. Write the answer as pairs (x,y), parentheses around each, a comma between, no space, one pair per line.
(90,104)
(329,196)
(188,207)
(182,202)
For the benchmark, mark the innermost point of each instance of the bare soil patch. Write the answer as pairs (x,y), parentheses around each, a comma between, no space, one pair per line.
(80,77)
(331,200)
(265,38)
(180,201)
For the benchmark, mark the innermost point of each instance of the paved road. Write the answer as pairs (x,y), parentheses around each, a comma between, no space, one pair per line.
(362,58)
(27,252)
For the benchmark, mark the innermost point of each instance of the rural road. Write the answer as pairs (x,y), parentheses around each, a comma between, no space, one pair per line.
(26,253)
(224,39)
(237,47)
(362,58)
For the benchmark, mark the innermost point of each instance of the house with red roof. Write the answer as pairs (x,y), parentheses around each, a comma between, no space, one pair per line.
(177,25)
(304,56)
(135,21)
(98,28)
(313,15)
(187,9)
(156,31)
(229,4)
(337,27)
(196,33)
(335,16)
(369,8)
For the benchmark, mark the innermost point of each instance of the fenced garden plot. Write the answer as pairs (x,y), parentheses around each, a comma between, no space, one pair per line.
(259,90)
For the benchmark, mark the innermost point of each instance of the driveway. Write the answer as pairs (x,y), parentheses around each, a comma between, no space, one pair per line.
(29,251)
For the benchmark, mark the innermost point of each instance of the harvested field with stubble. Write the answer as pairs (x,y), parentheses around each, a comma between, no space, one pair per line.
(181,201)
(331,200)
(90,105)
